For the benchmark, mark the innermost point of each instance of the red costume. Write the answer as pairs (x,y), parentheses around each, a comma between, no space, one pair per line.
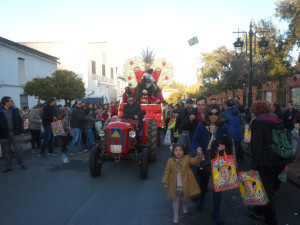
(114,110)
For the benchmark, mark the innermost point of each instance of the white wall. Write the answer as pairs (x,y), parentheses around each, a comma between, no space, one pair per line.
(9,76)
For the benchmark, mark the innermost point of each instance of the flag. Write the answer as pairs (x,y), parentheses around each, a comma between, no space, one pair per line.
(193,41)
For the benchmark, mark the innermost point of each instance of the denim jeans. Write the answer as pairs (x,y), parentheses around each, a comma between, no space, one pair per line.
(184,139)
(89,138)
(76,139)
(48,141)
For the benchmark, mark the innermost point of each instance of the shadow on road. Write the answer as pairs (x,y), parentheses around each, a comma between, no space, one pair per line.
(75,165)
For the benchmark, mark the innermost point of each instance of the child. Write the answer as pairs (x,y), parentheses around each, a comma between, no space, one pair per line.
(179,179)
(65,137)
(171,126)
(87,126)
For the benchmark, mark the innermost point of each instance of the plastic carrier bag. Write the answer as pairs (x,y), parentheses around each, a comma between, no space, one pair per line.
(223,170)
(57,128)
(252,190)
(167,140)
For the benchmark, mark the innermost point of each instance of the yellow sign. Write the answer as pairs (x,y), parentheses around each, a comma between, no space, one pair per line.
(116,133)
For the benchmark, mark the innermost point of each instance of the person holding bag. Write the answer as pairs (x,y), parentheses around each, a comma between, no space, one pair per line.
(264,159)
(212,127)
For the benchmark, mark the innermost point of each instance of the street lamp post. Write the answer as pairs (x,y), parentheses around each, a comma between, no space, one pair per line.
(238,45)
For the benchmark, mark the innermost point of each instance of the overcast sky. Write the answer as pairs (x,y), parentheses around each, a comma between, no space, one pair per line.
(130,26)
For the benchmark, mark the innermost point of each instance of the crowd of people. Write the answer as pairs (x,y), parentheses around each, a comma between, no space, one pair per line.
(193,132)
(78,124)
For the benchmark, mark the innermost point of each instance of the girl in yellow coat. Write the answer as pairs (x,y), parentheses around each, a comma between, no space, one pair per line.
(179,179)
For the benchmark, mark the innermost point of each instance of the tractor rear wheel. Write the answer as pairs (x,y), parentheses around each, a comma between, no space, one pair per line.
(144,163)
(95,163)
(152,140)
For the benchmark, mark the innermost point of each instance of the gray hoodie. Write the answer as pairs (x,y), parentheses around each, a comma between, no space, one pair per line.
(89,123)
(34,120)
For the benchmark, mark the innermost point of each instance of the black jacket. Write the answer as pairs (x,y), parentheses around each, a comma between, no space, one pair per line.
(129,111)
(17,123)
(49,112)
(78,117)
(183,122)
(261,139)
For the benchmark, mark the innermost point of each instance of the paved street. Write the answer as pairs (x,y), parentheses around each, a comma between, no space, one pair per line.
(53,193)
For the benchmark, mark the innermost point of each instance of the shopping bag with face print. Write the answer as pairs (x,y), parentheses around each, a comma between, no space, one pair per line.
(57,128)
(223,171)
(252,190)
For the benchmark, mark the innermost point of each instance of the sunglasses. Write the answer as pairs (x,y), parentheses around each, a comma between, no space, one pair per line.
(215,114)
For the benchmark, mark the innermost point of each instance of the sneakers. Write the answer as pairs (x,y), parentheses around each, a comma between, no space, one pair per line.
(52,153)
(6,170)
(71,154)
(254,214)
(24,167)
(42,155)
(83,151)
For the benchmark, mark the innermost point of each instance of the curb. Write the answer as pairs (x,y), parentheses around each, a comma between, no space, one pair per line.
(291,177)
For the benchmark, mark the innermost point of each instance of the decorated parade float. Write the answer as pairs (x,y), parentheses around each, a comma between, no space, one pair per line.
(119,138)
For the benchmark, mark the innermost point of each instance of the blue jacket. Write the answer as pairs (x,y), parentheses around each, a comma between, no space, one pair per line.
(232,118)
(202,137)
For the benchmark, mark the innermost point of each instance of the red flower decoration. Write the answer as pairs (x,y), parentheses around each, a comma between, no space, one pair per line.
(129,78)
(164,63)
(166,78)
(131,63)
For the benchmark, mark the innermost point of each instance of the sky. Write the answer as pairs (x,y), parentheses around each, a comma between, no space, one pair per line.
(130,26)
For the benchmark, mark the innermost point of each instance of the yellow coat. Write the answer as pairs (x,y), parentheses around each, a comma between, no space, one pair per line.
(189,183)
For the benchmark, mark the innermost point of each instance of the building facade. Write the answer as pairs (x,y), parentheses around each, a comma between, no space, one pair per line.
(19,64)
(94,62)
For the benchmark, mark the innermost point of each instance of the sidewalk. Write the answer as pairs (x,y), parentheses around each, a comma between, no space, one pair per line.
(293,169)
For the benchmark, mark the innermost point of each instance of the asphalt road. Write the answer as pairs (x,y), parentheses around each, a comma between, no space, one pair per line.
(53,193)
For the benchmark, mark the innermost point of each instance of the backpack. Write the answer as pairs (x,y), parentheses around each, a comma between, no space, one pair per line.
(281,145)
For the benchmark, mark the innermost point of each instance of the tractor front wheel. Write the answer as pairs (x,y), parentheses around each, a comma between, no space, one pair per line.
(95,163)
(152,140)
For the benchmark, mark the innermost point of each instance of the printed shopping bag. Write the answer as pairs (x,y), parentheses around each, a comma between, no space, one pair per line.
(223,170)
(252,190)
(247,134)
(57,128)
(167,140)
(26,124)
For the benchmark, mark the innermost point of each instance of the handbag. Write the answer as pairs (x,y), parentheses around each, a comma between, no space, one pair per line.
(204,169)
(252,189)
(223,169)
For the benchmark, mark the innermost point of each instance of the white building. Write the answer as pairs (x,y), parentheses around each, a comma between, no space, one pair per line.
(94,62)
(19,64)
(122,84)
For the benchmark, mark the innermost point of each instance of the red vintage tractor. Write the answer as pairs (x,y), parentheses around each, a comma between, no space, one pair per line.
(118,141)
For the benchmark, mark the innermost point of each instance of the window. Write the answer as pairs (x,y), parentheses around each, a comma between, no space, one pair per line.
(23,101)
(103,69)
(93,67)
(22,71)
(112,72)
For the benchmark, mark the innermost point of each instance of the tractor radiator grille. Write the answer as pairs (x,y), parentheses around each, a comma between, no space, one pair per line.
(108,138)
(124,136)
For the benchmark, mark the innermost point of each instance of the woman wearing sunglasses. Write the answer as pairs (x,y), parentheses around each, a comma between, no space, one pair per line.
(212,127)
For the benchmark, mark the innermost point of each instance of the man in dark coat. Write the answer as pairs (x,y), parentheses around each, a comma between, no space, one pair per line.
(49,115)
(11,133)
(186,124)
(76,124)
(132,110)
(288,116)
(232,118)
